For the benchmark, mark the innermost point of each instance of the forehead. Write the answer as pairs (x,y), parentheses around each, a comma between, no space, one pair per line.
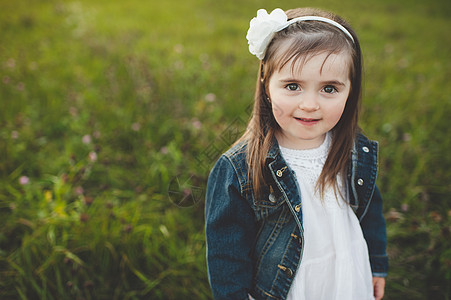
(327,60)
(333,65)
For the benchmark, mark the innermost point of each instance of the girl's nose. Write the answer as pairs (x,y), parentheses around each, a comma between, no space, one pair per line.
(309,102)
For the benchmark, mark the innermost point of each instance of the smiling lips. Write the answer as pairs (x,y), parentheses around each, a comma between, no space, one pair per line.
(307,121)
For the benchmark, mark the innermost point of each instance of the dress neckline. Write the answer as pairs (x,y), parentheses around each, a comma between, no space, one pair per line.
(314,153)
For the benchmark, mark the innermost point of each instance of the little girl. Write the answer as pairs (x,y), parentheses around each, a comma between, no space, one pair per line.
(292,209)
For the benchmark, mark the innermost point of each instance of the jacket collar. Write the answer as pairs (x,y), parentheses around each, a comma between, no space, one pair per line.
(274,151)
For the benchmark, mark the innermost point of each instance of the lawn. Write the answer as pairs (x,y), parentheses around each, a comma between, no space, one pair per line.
(113,112)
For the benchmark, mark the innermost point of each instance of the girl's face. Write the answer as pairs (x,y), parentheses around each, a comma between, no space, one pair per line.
(307,102)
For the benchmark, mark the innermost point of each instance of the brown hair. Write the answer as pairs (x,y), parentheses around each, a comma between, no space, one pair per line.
(306,40)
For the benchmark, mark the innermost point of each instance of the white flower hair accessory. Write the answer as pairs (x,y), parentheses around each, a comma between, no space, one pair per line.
(263,28)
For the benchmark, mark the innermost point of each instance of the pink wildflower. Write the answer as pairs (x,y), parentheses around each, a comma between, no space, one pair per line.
(79,190)
(136,126)
(164,150)
(86,139)
(210,97)
(23,180)
(404,207)
(11,63)
(92,156)
(178,48)
(196,124)
(20,86)
(406,137)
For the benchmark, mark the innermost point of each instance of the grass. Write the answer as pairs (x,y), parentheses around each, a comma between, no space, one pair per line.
(112,114)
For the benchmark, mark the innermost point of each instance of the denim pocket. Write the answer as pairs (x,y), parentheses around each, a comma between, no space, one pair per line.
(270,199)
(271,207)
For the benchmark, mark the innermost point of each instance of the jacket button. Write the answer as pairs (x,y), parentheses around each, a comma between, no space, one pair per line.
(279,172)
(288,272)
(365,149)
(297,208)
(360,181)
(297,238)
(272,198)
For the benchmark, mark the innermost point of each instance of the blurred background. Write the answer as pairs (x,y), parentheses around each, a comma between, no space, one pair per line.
(113,112)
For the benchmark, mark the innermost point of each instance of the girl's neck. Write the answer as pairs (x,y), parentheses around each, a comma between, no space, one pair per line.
(299,144)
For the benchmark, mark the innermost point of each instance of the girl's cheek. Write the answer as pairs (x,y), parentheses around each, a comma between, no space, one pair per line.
(339,112)
(277,111)
(279,108)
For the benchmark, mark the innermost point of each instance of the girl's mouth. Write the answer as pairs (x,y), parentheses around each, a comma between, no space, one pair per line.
(307,121)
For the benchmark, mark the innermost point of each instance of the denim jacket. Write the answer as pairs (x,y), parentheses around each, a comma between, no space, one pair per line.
(254,246)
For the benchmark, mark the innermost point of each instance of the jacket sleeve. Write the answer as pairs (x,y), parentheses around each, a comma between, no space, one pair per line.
(230,232)
(374,231)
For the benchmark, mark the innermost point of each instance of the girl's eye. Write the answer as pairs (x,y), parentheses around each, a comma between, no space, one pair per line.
(292,87)
(329,89)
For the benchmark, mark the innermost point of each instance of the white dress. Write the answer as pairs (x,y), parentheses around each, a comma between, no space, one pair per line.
(335,262)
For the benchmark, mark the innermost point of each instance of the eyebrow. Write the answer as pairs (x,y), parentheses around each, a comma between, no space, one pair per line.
(327,82)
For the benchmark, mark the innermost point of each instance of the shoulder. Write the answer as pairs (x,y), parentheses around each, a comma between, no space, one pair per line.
(363,141)
(232,163)
(366,149)
(237,151)
(237,156)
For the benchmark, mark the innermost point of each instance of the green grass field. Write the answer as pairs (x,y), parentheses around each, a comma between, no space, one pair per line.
(113,112)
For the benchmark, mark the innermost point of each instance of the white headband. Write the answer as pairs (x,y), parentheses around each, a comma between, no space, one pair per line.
(263,27)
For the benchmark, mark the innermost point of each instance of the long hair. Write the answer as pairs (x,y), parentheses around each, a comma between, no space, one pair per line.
(306,40)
